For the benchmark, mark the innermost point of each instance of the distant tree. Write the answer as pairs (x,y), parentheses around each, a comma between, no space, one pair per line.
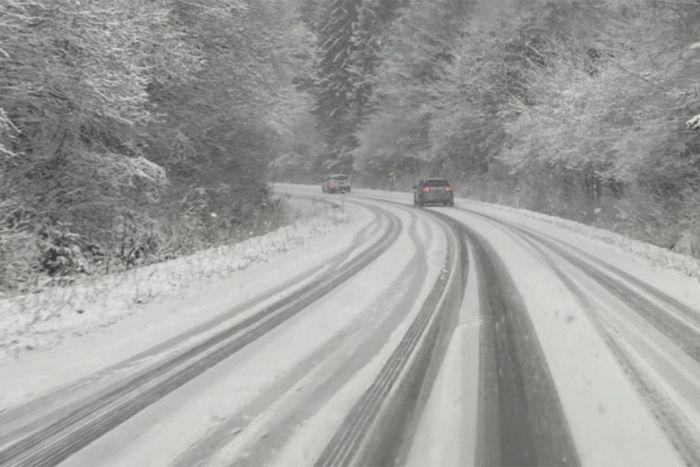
(369,35)
(335,90)
(416,52)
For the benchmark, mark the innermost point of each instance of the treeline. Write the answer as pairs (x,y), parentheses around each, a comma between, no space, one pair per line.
(573,108)
(132,131)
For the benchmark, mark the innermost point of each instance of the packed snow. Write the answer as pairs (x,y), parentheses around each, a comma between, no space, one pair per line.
(291,379)
(280,399)
(583,369)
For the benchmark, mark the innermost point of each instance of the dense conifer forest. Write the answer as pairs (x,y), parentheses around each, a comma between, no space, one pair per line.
(134,131)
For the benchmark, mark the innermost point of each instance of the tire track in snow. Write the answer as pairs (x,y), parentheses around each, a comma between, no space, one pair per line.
(678,327)
(384,417)
(366,345)
(58,440)
(680,430)
(60,402)
(520,419)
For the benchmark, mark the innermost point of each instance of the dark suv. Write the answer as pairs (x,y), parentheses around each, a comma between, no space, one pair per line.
(433,191)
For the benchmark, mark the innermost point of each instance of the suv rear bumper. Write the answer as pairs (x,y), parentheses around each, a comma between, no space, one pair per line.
(336,189)
(442,199)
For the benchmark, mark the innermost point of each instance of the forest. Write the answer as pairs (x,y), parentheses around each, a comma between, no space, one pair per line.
(133,132)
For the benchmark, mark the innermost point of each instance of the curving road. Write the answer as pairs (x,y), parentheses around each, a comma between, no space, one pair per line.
(447,336)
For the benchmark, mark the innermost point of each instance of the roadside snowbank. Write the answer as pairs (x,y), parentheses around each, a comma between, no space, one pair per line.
(41,320)
(652,254)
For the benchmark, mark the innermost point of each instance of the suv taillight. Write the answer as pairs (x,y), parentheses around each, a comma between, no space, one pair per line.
(448,188)
(426,189)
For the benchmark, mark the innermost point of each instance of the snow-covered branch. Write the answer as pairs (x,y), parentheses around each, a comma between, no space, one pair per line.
(693,123)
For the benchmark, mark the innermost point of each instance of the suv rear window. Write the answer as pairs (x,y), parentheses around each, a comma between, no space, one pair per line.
(338,177)
(437,182)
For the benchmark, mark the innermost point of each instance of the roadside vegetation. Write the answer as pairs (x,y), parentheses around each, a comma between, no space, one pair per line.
(572,108)
(42,318)
(132,132)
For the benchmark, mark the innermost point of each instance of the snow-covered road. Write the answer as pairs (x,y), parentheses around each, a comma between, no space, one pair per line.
(472,335)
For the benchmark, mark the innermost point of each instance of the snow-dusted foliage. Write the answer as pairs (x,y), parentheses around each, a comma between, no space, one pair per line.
(693,123)
(571,108)
(113,114)
(45,317)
